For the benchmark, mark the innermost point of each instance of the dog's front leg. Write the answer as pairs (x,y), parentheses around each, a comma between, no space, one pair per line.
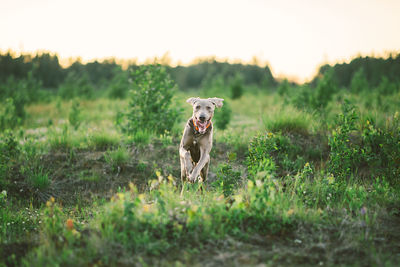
(186,163)
(204,158)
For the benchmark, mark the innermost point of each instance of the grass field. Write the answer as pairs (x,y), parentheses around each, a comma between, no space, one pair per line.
(286,187)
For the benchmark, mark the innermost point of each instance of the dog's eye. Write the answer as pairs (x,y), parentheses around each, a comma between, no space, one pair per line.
(197,107)
(208,107)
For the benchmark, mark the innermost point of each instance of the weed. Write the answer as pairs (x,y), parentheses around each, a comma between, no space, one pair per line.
(141,137)
(39,179)
(74,116)
(227,179)
(117,158)
(103,140)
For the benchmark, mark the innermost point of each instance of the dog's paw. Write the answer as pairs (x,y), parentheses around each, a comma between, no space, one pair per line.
(192,178)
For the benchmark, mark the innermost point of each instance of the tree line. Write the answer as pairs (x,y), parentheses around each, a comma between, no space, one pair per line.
(46,69)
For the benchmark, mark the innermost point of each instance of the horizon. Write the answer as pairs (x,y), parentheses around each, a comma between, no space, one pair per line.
(293,39)
(166,60)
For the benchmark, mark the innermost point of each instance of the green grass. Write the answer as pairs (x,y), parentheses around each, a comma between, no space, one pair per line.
(103,140)
(289,120)
(117,158)
(40,180)
(277,194)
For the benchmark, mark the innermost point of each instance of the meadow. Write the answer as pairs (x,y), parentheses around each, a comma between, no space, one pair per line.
(300,175)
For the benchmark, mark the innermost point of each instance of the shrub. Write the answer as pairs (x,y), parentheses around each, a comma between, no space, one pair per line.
(227,179)
(316,98)
(278,152)
(386,87)
(237,86)
(76,85)
(150,106)
(373,152)
(9,152)
(359,82)
(223,116)
(9,117)
(284,88)
(344,155)
(74,116)
(119,85)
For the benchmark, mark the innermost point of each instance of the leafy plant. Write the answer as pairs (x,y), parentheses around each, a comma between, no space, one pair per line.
(237,86)
(223,116)
(9,117)
(150,106)
(74,116)
(344,155)
(227,179)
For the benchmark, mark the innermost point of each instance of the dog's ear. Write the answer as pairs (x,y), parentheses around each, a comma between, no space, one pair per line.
(192,100)
(216,101)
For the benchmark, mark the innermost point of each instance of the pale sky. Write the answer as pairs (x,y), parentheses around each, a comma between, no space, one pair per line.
(293,36)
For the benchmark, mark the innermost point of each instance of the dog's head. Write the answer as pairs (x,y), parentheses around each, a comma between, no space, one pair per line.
(203,110)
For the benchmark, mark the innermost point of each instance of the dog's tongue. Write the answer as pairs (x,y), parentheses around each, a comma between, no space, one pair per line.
(202,126)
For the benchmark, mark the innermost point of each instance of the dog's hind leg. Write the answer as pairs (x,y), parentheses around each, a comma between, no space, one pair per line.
(204,172)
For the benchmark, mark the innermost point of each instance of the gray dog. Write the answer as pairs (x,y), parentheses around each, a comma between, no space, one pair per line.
(196,141)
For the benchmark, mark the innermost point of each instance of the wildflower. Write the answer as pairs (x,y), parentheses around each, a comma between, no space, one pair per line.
(146,207)
(363,210)
(121,196)
(290,212)
(70,224)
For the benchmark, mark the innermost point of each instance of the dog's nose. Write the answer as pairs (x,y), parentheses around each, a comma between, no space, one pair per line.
(202,118)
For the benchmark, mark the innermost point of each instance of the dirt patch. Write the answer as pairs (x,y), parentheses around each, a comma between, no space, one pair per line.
(82,175)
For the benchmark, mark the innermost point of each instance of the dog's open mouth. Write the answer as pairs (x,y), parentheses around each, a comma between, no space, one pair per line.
(202,126)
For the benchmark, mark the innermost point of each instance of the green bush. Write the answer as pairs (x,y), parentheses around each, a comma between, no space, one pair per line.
(227,179)
(359,82)
(284,88)
(9,117)
(223,116)
(74,116)
(150,106)
(313,99)
(119,85)
(285,156)
(9,153)
(237,86)
(373,152)
(76,85)
(344,155)
(386,87)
